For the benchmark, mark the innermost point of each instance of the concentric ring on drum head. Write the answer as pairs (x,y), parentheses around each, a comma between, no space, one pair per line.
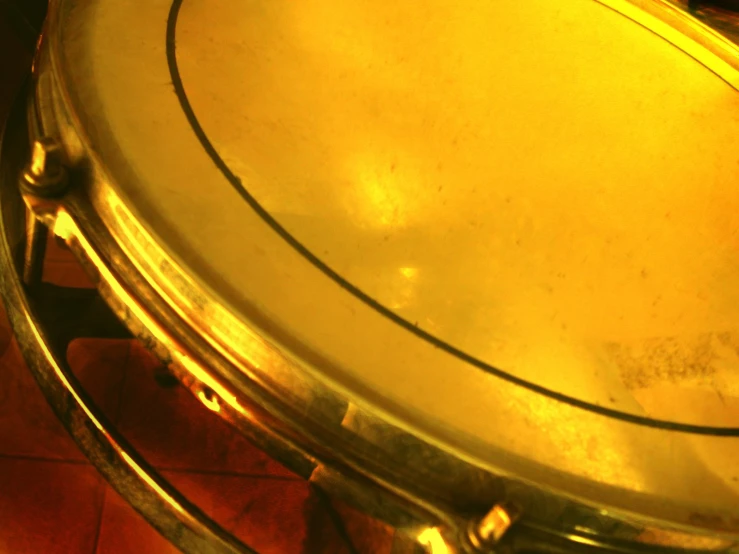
(409,326)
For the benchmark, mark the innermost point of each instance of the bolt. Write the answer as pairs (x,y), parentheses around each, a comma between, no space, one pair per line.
(45,175)
(482,535)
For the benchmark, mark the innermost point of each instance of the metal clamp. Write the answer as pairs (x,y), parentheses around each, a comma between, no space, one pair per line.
(482,535)
(46,175)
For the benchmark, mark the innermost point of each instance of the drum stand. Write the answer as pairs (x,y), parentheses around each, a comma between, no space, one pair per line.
(45,318)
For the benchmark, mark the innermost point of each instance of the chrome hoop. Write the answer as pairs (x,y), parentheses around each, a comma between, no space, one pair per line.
(181,522)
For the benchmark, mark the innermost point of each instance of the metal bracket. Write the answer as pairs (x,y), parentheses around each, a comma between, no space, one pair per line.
(483,535)
(46,175)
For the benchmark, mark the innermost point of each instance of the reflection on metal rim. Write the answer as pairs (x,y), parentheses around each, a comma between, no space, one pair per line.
(682,30)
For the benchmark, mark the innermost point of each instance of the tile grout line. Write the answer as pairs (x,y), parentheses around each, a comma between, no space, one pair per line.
(99,527)
(44,459)
(116,417)
(336,519)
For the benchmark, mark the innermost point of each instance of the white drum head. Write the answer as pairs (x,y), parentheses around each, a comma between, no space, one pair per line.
(511,227)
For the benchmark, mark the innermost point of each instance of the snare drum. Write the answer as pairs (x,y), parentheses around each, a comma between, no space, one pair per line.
(471,266)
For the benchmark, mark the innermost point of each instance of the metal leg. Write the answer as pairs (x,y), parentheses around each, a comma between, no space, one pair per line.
(35,250)
(71,312)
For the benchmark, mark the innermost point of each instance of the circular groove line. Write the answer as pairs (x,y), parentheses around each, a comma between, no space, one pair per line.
(236,183)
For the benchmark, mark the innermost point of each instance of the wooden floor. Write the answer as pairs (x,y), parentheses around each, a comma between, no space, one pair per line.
(52,500)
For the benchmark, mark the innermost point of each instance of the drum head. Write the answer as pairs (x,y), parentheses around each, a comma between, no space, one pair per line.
(510,227)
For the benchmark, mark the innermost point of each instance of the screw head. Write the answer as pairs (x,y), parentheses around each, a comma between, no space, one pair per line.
(486,532)
(45,174)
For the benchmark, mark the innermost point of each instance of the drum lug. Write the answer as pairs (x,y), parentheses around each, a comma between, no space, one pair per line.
(482,535)
(46,176)
(44,179)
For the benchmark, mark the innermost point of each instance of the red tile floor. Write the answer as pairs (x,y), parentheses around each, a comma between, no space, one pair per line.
(52,501)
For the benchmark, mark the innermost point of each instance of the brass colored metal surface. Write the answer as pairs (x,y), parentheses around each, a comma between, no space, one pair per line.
(35,247)
(486,533)
(45,175)
(447,255)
